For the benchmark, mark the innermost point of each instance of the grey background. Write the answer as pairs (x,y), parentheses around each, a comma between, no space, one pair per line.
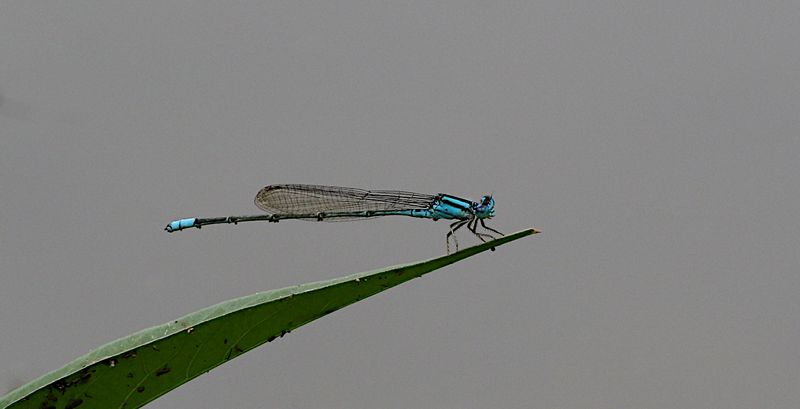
(655,144)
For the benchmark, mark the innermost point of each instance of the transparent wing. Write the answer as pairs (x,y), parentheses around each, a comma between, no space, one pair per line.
(311,199)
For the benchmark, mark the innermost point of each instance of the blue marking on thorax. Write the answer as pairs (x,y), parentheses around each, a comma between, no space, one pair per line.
(451,207)
(456,202)
(447,211)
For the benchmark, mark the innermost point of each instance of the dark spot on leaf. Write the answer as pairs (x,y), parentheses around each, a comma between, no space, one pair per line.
(163,371)
(130,375)
(49,398)
(112,362)
(60,385)
(140,389)
(74,404)
(225,341)
(272,338)
(130,354)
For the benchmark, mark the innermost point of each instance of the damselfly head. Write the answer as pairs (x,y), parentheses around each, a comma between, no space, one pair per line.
(485,209)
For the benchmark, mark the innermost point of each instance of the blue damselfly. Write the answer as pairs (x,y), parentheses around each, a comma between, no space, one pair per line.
(333,203)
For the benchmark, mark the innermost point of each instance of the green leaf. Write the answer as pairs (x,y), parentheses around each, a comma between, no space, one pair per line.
(132,371)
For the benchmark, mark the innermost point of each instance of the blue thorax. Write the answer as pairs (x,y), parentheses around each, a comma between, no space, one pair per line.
(453,207)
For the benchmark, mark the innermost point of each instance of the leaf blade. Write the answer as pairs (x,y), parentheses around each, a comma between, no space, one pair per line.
(134,370)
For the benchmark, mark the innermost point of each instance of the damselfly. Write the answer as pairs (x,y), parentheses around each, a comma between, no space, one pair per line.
(333,203)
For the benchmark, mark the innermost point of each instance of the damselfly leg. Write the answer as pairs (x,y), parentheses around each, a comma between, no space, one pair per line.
(453,227)
(473,227)
(483,223)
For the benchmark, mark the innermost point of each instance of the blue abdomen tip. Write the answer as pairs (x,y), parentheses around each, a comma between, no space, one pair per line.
(181,224)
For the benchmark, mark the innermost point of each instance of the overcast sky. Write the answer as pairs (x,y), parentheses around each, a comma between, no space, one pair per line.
(655,143)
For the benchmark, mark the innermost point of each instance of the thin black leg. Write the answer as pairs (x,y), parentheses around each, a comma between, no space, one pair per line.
(489,228)
(453,227)
(451,233)
(473,227)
